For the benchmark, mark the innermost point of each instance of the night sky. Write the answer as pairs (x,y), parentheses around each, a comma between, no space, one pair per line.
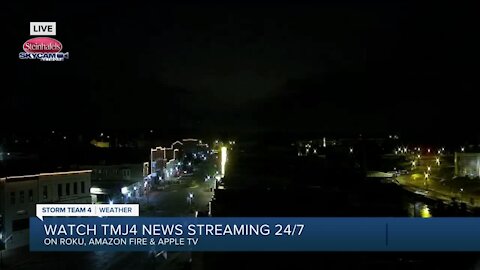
(298,67)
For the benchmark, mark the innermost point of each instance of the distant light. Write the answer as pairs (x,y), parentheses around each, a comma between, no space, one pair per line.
(95,190)
(151,130)
(418,156)
(425,212)
(53,131)
(8,154)
(351,150)
(64,137)
(463,149)
(101,134)
(135,188)
(124,190)
(428,150)
(224,159)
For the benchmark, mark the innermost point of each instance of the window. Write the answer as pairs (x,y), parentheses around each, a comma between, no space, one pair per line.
(59,190)
(67,189)
(45,192)
(75,188)
(30,195)
(22,196)
(82,187)
(12,197)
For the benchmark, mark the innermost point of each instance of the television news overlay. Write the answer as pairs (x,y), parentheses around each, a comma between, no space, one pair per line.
(119,230)
(43,47)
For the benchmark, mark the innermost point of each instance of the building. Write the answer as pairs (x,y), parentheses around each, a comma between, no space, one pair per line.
(110,180)
(164,160)
(467,164)
(19,195)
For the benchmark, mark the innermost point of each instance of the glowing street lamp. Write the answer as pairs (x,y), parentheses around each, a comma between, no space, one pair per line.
(413,163)
(429,168)
(462,149)
(437,160)
(224,159)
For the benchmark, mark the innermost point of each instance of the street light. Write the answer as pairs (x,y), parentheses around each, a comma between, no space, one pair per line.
(463,149)
(429,168)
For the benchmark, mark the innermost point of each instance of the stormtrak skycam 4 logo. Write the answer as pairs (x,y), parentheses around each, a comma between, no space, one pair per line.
(43,48)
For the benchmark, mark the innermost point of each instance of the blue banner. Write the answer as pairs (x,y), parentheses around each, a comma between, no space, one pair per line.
(254,234)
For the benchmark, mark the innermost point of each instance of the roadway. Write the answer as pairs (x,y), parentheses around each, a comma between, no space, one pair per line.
(436,180)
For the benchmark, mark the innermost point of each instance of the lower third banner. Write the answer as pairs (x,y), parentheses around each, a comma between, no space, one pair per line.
(254,234)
